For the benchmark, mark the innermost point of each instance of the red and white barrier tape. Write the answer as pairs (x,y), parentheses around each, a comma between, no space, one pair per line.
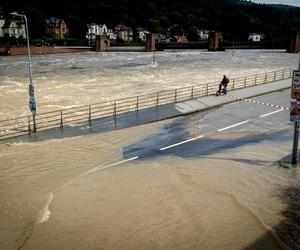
(258,102)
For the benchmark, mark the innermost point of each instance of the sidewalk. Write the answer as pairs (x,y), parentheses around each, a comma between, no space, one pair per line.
(153,114)
(214,101)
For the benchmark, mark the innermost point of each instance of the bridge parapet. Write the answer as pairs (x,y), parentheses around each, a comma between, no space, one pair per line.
(151,40)
(215,40)
(102,42)
(294,42)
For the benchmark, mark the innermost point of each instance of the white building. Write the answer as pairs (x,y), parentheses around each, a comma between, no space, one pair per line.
(95,29)
(203,34)
(142,33)
(254,37)
(2,22)
(12,28)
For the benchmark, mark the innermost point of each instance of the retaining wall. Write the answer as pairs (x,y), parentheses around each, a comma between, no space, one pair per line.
(47,50)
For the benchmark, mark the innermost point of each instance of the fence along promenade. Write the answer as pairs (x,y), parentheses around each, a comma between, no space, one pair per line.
(111,109)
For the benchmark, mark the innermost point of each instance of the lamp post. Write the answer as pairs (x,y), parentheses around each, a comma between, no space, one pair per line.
(296,136)
(32,103)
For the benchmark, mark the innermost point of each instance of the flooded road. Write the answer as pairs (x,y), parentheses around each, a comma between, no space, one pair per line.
(118,190)
(55,195)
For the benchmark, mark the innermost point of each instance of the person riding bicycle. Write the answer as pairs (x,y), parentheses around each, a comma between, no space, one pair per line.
(223,84)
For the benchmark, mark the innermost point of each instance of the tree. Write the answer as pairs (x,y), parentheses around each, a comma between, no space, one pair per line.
(192,34)
(77,26)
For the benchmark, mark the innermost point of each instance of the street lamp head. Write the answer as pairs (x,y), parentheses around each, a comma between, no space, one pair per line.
(14,13)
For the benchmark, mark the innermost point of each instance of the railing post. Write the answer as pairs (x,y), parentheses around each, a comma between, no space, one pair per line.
(274,76)
(90,115)
(115,112)
(266,78)
(207,89)
(175,100)
(115,108)
(192,94)
(137,104)
(157,99)
(255,80)
(245,85)
(282,76)
(61,119)
(29,127)
(233,84)
(34,123)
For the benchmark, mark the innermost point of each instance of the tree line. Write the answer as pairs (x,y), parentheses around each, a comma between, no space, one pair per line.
(234,17)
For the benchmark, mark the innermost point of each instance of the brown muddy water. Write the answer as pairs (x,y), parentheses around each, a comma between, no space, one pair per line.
(67,194)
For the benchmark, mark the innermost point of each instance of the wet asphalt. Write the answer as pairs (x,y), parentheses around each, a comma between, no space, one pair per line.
(272,127)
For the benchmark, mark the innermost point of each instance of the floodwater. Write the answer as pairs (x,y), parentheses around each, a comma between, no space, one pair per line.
(69,193)
(67,80)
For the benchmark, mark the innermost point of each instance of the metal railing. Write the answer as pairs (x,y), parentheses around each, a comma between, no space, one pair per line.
(92,112)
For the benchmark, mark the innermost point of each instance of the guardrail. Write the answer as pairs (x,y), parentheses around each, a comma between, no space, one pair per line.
(92,112)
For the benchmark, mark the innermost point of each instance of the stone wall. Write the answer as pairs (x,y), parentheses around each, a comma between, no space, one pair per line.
(47,50)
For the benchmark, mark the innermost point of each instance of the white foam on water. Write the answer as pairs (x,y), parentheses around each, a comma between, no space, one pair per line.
(45,212)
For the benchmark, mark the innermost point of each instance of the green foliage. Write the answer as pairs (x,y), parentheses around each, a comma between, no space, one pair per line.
(283,165)
(235,18)
(192,34)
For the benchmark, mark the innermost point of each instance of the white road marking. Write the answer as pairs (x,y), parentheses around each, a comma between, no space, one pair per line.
(234,125)
(114,164)
(271,113)
(179,143)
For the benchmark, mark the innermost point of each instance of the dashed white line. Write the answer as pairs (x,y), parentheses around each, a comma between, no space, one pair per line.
(117,163)
(179,143)
(271,113)
(234,125)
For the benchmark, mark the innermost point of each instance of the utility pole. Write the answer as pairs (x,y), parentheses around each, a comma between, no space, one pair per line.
(32,103)
(296,129)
